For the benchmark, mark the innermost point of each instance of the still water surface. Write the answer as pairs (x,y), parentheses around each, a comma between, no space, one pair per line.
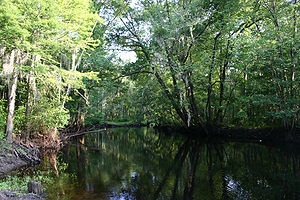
(137,163)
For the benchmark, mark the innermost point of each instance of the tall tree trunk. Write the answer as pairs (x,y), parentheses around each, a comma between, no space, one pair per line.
(75,62)
(210,84)
(293,52)
(31,92)
(219,117)
(12,79)
(193,109)
(294,61)
(11,72)
(28,106)
(2,89)
(12,89)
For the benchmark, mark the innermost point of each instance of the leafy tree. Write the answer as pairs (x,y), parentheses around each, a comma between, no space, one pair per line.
(46,48)
(268,50)
(217,63)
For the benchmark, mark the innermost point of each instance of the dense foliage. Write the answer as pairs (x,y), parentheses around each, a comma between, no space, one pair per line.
(198,63)
(207,63)
(42,43)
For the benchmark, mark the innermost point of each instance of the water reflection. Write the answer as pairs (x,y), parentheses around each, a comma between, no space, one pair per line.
(49,160)
(139,164)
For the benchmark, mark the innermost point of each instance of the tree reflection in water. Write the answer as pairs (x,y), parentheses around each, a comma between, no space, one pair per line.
(49,159)
(141,164)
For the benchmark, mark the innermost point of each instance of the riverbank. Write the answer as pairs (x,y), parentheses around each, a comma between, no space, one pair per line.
(9,195)
(266,135)
(12,158)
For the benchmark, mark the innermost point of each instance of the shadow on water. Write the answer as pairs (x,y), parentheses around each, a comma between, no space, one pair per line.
(141,164)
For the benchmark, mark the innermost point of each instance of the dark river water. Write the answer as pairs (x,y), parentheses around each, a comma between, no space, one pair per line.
(137,163)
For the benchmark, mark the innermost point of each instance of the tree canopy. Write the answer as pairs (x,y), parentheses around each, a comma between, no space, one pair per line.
(42,44)
(231,63)
(199,63)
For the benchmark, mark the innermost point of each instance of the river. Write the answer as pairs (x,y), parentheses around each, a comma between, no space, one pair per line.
(138,163)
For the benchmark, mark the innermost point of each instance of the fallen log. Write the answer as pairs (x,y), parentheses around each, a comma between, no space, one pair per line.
(17,155)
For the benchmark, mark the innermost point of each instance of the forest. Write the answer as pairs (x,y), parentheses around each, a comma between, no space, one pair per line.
(201,64)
